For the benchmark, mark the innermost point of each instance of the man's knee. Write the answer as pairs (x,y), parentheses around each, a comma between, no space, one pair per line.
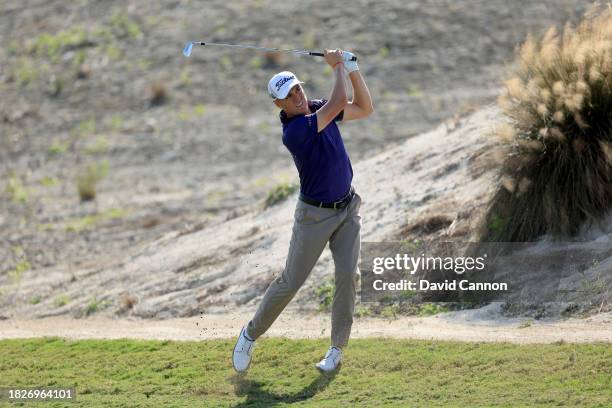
(286,285)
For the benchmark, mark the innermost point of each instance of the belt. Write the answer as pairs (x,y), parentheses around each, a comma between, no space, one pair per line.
(336,205)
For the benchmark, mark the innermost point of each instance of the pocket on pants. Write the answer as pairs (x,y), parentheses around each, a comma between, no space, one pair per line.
(306,214)
(355,205)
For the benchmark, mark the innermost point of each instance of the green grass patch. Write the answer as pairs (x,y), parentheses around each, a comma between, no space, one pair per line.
(118,373)
(27,72)
(88,179)
(85,128)
(61,300)
(280,193)
(325,294)
(430,309)
(199,109)
(57,147)
(50,45)
(98,147)
(21,267)
(415,91)
(124,26)
(21,264)
(49,181)
(34,301)
(115,123)
(95,305)
(16,190)
(91,221)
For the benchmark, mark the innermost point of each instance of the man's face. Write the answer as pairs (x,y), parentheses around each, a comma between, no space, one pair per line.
(295,103)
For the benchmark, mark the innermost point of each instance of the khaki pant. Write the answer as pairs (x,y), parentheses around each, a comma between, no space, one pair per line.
(313,228)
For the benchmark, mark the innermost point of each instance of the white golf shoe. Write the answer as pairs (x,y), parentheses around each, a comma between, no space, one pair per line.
(331,361)
(241,359)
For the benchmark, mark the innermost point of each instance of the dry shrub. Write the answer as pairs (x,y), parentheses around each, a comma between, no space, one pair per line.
(84,72)
(127,301)
(556,162)
(158,93)
(88,179)
(428,225)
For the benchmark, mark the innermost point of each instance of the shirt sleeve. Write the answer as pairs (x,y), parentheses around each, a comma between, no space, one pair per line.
(300,131)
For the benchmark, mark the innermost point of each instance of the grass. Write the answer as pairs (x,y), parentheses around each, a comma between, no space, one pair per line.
(91,221)
(50,45)
(325,294)
(57,147)
(98,147)
(123,26)
(116,123)
(400,373)
(27,72)
(21,264)
(280,193)
(16,190)
(85,128)
(430,309)
(21,267)
(34,301)
(88,179)
(94,306)
(61,300)
(42,58)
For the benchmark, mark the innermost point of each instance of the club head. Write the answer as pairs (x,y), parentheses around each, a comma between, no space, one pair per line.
(187,49)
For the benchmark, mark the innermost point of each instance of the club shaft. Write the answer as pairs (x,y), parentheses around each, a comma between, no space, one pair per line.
(255,47)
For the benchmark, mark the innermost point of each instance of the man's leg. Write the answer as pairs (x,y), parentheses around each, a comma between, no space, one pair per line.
(312,230)
(345,244)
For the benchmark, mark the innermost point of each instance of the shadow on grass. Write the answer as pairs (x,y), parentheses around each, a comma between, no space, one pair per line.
(258,396)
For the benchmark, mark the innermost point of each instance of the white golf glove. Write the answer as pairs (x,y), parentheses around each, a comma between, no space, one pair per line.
(349,66)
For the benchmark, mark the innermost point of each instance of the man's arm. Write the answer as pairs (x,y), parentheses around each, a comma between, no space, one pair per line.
(361,105)
(338,99)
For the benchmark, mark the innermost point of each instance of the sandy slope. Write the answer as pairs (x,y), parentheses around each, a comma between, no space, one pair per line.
(225,267)
(207,280)
(214,145)
(476,326)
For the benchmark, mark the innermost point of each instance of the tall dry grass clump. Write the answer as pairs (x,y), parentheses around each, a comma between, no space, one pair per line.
(556,155)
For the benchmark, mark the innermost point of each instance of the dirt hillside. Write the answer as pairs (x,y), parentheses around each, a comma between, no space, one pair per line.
(225,266)
(186,150)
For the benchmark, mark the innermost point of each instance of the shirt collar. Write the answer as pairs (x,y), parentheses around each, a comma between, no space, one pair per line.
(285,120)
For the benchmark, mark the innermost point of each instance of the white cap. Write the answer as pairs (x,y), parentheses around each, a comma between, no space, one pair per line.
(281,83)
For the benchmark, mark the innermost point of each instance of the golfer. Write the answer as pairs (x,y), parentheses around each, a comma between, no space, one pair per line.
(328,207)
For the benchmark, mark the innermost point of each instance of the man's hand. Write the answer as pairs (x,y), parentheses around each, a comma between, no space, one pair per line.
(349,66)
(333,57)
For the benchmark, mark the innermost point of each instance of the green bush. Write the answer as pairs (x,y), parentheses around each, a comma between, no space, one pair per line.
(94,306)
(325,294)
(280,193)
(556,155)
(50,45)
(61,300)
(88,179)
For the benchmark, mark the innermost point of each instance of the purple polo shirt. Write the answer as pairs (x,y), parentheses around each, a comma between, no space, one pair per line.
(322,162)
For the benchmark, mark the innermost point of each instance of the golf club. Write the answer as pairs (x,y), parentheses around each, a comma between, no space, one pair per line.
(189,47)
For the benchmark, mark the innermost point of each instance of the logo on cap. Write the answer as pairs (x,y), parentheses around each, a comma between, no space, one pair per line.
(282,82)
